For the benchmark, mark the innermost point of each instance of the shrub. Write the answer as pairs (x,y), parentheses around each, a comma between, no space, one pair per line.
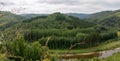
(29,51)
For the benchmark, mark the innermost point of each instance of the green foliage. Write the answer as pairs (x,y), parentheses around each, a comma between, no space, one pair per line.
(29,51)
(66,37)
(111,21)
(54,21)
(106,18)
(108,35)
(8,19)
(3,57)
(81,36)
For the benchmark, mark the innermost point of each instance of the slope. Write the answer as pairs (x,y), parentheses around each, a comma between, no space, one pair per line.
(106,18)
(57,21)
(7,19)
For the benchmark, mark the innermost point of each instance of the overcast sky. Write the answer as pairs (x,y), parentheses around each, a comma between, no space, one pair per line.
(64,6)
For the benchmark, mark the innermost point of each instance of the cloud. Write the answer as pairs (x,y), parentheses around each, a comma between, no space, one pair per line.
(66,2)
(6,3)
(65,6)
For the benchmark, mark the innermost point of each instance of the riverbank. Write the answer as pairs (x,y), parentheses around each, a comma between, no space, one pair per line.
(100,56)
(101,51)
(114,57)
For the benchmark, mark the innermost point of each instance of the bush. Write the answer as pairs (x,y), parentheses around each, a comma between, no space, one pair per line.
(29,51)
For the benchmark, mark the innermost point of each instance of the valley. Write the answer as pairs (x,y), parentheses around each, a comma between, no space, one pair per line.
(31,37)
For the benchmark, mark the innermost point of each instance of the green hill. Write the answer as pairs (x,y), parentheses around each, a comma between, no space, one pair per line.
(56,21)
(61,28)
(8,19)
(79,15)
(28,16)
(106,18)
(96,17)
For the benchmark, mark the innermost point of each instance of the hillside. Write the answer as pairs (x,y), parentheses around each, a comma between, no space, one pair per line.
(56,21)
(8,19)
(79,15)
(103,18)
(53,22)
(111,21)
(28,16)
(106,18)
(96,17)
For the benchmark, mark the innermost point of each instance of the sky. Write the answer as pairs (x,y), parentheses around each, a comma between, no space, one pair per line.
(64,6)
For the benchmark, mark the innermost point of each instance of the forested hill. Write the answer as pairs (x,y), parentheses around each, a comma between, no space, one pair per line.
(106,18)
(79,15)
(8,16)
(28,16)
(56,21)
(8,19)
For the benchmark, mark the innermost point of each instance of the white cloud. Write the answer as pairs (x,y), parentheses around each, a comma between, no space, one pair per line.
(50,6)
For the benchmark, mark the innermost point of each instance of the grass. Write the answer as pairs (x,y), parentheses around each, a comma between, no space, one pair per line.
(118,34)
(111,44)
(3,57)
(3,23)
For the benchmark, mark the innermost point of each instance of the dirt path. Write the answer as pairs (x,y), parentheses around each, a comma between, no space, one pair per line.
(81,56)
